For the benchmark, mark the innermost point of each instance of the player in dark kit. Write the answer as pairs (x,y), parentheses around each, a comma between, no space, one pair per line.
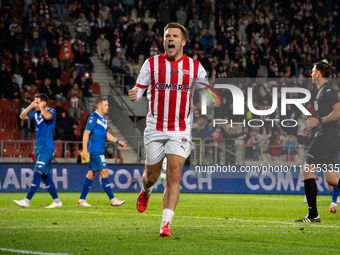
(322,154)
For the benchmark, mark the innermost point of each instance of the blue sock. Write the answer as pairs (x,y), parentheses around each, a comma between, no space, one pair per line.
(335,194)
(50,185)
(85,189)
(35,185)
(107,187)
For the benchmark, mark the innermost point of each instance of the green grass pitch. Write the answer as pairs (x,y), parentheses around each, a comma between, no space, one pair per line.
(203,224)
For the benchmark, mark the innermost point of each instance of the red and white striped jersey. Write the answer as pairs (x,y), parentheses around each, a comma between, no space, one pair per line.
(170,87)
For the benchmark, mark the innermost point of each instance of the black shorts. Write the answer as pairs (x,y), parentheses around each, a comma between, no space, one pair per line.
(325,147)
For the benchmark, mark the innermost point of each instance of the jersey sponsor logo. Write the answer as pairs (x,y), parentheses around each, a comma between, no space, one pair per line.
(41,162)
(104,125)
(38,118)
(162,86)
(328,90)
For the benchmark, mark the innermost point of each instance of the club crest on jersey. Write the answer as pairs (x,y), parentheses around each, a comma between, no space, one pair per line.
(186,72)
(162,86)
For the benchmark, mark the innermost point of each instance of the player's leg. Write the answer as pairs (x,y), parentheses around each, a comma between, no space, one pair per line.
(86,187)
(311,191)
(172,189)
(162,177)
(149,178)
(177,150)
(42,166)
(334,205)
(332,179)
(155,153)
(52,190)
(34,187)
(45,159)
(104,174)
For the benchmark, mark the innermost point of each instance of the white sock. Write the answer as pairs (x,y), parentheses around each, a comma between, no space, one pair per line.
(113,200)
(27,200)
(334,204)
(57,200)
(81,200)
(147,191)
(167,216)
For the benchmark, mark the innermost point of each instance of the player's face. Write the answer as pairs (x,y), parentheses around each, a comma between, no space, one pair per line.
(173,43)
(37,102)
(104,106)
(315,74)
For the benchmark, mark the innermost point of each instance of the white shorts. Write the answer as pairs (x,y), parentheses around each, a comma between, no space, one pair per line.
(158,144)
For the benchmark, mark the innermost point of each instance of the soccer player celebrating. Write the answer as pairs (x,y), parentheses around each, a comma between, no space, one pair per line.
(94,139)
(45,120)
(168,79)
(322,153)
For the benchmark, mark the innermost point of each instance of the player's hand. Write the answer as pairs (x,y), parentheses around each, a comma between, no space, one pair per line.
(133,94)
(122,144)
(85,155)
(313,122)
(217,102)
(32,105)
(306,131)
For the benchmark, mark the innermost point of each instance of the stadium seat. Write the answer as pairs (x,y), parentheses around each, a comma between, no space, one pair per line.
(15,102)
(58,154)
(52,103)
(15,136)
(5,105)
(25,146)
(95,88)
(65,77)
(76,153)
(13,118)
(4,136)
(7,127)
(6,153)
(83,117)
(11,146)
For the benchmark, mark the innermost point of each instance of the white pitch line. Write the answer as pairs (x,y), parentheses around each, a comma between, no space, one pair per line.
(270,198)
(193,217)
(31,227)
(31,252)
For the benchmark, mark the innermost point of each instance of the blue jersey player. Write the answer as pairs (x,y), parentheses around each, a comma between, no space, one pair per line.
(45,120)
(94,139)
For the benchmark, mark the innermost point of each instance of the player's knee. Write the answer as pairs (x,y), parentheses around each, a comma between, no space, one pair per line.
(174,177)
(332,181)
(90,175)
(151,178)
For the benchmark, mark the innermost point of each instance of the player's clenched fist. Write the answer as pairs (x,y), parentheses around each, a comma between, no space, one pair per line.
(133,94)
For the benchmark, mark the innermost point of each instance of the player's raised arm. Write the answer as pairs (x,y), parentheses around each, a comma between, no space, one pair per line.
(43,108)
(86,136)
(111,138)
(25,112)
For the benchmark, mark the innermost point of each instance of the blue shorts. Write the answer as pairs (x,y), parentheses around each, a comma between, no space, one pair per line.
(97,161)
(43,161)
